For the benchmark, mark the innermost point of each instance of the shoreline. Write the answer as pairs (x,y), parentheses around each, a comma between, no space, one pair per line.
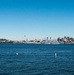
(37,43)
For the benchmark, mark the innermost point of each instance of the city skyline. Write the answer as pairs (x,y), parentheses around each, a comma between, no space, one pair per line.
(36,19)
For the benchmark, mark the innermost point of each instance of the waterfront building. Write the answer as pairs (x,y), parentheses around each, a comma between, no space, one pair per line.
(54,41)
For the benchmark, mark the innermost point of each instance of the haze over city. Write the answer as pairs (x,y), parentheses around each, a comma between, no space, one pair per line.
(36,19)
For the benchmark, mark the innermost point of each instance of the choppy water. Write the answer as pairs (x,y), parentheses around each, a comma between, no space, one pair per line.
(35,59)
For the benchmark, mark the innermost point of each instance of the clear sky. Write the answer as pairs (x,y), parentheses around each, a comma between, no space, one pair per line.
(36,19)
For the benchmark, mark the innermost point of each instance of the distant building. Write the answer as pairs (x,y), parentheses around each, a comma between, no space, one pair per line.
(54,41)
(45,41)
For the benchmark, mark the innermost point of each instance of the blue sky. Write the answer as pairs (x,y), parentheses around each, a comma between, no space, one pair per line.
(36,19)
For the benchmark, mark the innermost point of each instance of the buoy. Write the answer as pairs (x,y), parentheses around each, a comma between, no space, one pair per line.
(16,53)
(55,54)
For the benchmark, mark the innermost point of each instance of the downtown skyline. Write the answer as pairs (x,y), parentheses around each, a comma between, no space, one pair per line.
(36,19)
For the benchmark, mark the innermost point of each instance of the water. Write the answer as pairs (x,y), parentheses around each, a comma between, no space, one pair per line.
(35,59)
